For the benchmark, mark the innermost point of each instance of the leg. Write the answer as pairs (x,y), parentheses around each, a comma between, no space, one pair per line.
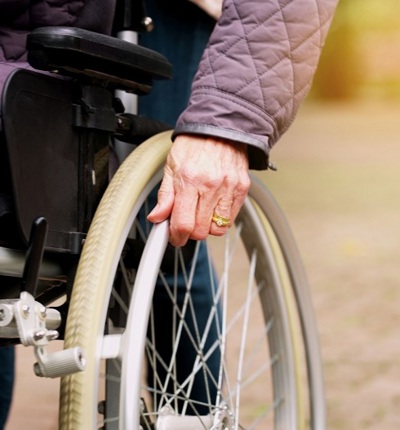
(181,34)
(6,382)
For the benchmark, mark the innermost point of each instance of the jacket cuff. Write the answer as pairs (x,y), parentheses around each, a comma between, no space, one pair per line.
(258,152)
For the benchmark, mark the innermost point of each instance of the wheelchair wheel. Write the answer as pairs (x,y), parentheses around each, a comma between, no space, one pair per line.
(217,335)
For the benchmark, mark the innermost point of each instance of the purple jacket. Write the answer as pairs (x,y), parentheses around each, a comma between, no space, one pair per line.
(19,17)
(257,69)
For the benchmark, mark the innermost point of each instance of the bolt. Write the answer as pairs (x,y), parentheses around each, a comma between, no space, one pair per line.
(43,311)
(25,310)
(39,335)
(148,24)
(52,334)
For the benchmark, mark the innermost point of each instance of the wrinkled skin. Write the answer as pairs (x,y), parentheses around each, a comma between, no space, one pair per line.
(202,176)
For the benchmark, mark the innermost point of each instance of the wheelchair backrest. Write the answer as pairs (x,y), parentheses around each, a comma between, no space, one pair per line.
(52,168)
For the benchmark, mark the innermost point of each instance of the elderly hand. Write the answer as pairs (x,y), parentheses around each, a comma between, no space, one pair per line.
(203,176)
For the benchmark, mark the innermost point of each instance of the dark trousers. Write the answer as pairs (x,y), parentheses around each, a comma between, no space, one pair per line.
(6,382)
(181,31)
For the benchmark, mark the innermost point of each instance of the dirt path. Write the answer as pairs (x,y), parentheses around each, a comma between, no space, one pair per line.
(339,183)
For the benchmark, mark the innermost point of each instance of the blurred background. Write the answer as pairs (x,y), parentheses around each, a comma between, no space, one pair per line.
(338,182)
(360,58)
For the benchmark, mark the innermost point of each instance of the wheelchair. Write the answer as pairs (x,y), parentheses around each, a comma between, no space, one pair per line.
(72,231)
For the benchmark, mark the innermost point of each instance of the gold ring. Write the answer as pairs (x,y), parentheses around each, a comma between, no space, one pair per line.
(220,220)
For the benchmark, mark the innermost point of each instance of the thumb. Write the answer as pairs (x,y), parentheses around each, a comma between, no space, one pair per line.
(165,203)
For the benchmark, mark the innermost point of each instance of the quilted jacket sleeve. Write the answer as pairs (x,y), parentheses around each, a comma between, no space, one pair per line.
(256,70)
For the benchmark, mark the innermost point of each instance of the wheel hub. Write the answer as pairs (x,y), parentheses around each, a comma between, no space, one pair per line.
(169,420)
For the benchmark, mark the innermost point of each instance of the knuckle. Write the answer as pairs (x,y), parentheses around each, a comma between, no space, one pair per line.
(185,229)
(238,182)
(207,179)
(224,206)
(181,229)
(218,231)
(200,232)
(210,181)
(199,235)
(242,189)
(246,183)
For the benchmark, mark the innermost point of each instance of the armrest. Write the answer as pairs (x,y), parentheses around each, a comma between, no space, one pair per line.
(117,63)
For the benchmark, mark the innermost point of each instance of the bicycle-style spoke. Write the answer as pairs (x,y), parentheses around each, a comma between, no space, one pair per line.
(217,360)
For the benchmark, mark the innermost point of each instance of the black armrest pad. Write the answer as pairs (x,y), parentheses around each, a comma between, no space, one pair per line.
(72,50)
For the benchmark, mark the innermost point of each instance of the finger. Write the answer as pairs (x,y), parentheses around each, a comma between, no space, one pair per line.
(236,206)
(240,195)
(204,211)
(165,200)
(229,207)
(221,217)
(183,216)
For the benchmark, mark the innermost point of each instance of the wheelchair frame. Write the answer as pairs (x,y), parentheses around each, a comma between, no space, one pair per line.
(53,227)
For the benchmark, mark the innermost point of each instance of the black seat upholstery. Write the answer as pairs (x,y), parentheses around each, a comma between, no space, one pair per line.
(43,152)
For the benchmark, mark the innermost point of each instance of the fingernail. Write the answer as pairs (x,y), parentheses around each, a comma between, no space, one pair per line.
(154,211)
